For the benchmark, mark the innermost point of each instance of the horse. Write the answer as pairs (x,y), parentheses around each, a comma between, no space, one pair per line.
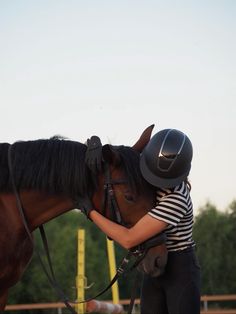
(49,176)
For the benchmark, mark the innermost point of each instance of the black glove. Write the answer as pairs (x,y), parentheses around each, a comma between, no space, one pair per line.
(85,205)
(93,156)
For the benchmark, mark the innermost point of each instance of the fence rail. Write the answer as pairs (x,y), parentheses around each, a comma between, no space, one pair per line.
(217,298)
(205,299)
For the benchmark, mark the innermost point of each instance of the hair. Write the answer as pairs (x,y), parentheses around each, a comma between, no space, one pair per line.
(188,184)
(58,166)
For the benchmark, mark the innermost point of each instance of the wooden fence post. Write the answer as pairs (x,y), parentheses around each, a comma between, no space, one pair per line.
(80,308)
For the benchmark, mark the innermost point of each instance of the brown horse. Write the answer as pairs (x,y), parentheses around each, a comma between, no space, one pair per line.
(50,175)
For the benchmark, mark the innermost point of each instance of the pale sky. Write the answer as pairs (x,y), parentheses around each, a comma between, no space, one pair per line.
(112,68)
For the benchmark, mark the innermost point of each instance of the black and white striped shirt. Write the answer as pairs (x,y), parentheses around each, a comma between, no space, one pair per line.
(174,206)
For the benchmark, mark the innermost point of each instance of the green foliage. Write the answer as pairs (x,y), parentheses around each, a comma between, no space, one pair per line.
(214,233)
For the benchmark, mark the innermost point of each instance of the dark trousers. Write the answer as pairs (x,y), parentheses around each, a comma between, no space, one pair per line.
(177,291)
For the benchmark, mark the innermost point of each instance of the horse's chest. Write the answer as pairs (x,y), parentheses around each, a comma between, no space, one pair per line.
(15,255)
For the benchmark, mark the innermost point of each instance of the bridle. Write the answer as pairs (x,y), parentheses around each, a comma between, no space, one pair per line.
(110,203)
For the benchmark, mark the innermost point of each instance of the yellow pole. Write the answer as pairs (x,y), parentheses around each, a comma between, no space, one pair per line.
(80,308)
(112,267)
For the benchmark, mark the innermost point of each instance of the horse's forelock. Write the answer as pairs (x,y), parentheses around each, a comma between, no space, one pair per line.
(130,163)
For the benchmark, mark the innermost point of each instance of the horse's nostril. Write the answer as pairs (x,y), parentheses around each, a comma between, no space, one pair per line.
(156,263)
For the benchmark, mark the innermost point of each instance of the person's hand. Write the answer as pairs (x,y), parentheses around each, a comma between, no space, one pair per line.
(85,205)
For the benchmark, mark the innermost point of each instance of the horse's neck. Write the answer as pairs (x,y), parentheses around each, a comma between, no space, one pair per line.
(39,207)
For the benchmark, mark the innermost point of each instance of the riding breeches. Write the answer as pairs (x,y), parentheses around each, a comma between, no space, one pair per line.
(177,291)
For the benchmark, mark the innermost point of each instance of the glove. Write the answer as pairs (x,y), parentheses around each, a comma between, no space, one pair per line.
(85,205)
(93,156)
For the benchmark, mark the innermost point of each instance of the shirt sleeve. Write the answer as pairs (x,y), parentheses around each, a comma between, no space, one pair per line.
(170,209)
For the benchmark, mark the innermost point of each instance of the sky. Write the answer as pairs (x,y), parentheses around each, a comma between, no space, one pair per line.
(112,68)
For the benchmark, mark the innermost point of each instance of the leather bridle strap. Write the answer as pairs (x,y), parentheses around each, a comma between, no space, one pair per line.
(109,201)
(50,275)
(123,270)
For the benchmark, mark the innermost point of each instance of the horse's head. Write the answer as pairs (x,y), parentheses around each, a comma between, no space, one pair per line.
(124,196)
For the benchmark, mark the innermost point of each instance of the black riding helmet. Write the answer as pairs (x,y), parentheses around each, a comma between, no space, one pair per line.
(166,160)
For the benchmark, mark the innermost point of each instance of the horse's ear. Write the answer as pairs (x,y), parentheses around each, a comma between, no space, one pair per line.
(144,139)
(110,155)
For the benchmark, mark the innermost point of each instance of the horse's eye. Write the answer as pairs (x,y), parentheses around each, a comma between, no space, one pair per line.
(129,198)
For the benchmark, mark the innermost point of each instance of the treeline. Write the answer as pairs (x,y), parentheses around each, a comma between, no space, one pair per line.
(214,233)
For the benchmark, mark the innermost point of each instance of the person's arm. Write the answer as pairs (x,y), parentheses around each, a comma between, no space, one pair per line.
(144,229)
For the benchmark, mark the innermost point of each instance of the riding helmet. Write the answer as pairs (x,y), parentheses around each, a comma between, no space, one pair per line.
(166,160)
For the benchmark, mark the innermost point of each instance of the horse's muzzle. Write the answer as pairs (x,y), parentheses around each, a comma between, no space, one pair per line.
(154,262)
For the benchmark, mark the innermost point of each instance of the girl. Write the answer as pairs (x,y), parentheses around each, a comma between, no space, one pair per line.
(164,163)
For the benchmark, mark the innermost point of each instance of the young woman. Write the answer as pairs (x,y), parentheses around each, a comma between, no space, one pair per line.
(165,163)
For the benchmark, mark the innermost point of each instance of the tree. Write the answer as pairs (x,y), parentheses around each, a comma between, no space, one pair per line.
(214,232)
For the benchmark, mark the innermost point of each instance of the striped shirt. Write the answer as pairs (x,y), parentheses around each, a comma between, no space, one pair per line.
(174,206)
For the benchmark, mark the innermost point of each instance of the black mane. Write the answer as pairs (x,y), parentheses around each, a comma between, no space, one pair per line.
(54,165)
(57,165)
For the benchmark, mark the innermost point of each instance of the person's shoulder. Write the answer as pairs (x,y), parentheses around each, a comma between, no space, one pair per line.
(182,188)
(163,192)
(180,192)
